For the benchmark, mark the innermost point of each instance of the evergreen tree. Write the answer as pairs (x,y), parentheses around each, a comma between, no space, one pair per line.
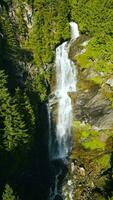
(13,130)
(8,193)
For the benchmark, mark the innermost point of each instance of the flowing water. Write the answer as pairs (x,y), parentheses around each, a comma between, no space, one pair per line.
(60,145)
(65,84)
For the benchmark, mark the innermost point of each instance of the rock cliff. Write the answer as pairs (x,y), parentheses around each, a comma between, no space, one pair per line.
(90,168)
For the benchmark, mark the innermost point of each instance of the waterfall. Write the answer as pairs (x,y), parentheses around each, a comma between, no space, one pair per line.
(74,31)
(65,83)
(59,143)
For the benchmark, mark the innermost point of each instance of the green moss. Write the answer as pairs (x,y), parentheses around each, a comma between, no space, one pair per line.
(104,161)
(77,124)
(83,61)
(93,143)
(88,138)
(97,80)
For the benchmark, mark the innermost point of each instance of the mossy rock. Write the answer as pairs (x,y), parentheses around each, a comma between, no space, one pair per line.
(98,196)
(77,46)
(101,182)
(88,137)
(104,161)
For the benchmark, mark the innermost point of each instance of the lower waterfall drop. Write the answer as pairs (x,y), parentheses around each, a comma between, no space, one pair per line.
(65,75)
(59,145)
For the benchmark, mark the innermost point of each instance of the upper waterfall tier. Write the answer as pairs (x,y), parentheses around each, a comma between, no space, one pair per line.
(65,72)
(74,31)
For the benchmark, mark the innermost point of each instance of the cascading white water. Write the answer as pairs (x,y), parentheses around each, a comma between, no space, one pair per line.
(59,143)
(74,31)
(66,82)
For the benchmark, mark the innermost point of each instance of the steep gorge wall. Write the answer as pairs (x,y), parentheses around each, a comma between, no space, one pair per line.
(90,168)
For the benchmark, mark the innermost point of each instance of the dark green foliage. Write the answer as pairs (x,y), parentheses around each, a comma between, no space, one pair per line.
(50,26)
(10,44)
(13,130)
(25,109)
(23,85)
(99,54)
(93,16)
(21,24)
(10,49)
(8,194)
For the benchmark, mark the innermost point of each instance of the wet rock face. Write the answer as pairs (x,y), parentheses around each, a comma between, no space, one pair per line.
(91,107)
(110,81)
(77,46)
(93,100)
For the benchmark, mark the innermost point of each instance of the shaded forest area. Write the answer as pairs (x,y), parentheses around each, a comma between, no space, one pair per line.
(29,33)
